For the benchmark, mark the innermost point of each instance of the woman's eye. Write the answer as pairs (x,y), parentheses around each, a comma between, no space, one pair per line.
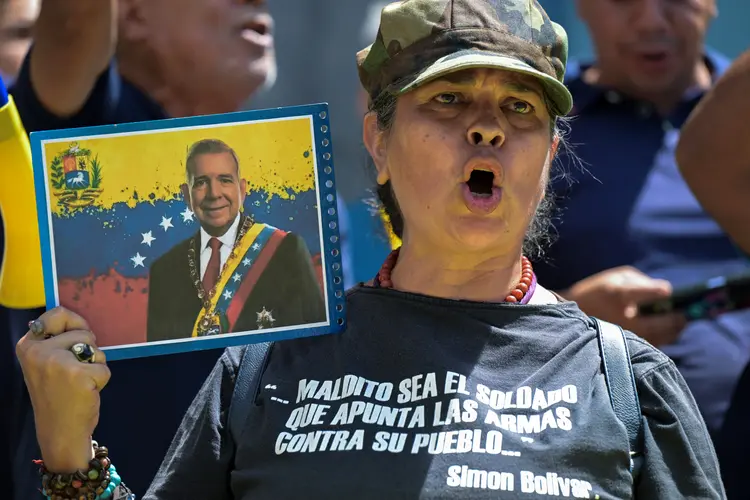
(521,107)
(446,98)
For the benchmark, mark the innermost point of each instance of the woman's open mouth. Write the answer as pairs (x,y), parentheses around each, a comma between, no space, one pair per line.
(480,194)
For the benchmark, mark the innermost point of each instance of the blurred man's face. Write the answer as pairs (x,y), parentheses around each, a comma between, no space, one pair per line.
(650,46)
(213,47)
(17,18)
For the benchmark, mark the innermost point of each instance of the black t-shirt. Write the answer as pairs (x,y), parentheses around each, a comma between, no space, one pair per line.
(431,398)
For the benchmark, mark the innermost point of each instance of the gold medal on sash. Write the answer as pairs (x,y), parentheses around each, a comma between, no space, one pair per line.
(209,325)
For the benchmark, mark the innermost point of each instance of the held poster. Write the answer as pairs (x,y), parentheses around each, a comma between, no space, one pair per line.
(193,233)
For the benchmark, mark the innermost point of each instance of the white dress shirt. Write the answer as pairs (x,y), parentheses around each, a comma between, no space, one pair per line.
(227,242)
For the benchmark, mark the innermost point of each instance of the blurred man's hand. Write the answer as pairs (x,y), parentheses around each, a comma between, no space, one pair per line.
(613,295)
(74,42)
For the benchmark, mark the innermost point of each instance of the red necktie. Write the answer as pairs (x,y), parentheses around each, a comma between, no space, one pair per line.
(212,271)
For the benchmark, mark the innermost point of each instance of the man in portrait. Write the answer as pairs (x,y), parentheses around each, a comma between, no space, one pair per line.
(235,274)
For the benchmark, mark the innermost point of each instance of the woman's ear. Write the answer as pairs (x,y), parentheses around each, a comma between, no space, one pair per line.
(375,142)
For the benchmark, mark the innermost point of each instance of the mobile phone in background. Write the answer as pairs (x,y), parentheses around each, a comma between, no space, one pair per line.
(705,300)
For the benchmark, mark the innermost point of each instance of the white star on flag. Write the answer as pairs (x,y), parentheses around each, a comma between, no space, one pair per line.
(227,295)
(187,215)
(256,247)
(246,262)
(147,238)
(138,260)
(236,277)
(166,223)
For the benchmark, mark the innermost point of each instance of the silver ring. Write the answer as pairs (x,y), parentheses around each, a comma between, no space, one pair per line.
(84,353)
(37,327)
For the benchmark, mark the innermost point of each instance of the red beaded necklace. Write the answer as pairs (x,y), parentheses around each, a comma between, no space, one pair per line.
(528,280)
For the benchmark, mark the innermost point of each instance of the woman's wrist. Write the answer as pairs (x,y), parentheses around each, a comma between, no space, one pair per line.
(99,480)
(66,456)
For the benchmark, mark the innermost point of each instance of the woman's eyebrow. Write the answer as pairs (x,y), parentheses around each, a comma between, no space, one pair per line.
(521,88)
(462,78)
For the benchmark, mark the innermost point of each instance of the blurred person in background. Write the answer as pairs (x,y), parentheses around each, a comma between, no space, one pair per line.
(645,233)
(713,155)
(97,62)
(17,18)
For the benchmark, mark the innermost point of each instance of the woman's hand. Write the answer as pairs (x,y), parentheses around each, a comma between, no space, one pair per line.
(64,391)
(613,295)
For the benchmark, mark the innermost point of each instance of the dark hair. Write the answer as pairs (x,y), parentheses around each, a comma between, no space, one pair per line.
(541,230)
(204,147)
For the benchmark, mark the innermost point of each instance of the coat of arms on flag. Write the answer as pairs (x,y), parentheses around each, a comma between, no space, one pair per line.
(76,177)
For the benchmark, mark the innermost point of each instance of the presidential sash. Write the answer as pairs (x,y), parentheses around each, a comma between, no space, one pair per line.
(239,276)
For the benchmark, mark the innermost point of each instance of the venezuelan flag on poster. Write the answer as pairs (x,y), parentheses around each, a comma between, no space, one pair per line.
(116,207)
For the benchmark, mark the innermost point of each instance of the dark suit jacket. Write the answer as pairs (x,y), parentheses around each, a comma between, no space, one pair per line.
(288,288)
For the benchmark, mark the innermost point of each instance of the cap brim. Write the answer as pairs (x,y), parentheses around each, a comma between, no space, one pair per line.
(467,59)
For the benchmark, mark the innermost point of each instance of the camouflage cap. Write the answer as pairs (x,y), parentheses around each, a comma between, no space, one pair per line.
(420,40)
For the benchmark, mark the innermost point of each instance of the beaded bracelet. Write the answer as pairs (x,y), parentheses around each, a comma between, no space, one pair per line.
(99,482)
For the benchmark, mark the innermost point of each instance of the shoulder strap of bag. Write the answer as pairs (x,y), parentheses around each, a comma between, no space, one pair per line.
(618,372)
(246,387)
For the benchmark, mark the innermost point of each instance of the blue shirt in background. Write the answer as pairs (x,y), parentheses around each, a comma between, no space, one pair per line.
(628,205)
(146,399)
